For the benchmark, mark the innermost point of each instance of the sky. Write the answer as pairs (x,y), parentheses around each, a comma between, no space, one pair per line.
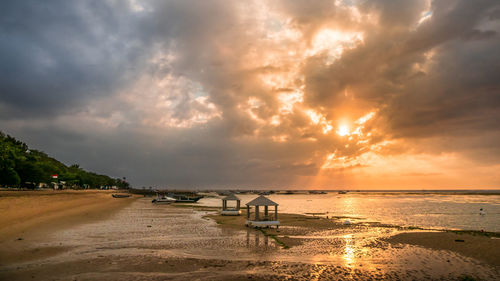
(271,94)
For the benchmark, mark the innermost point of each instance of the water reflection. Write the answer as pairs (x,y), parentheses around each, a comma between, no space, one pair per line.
(349,258)
(256,240)
(141,231)
(426,210)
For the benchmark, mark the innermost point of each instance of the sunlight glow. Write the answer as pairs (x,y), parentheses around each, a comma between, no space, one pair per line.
(334,42)
(288,100)
(349,257)
(315,117)
(319,119)
(327,128)
(280,138)
(333,161)
(365,118)
(343,130)
(275,120)
(254,103)
(274,80)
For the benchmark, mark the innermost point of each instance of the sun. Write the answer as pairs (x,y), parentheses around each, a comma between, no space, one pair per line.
(343,130)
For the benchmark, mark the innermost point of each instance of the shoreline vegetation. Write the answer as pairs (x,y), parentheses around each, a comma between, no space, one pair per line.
(23,167)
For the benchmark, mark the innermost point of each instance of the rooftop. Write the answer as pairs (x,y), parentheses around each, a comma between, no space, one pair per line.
(231,197)
(262,201)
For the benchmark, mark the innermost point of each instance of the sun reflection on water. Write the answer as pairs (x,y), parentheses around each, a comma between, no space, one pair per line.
(348,256)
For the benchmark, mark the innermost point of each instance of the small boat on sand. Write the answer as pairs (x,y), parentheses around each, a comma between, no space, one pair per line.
(163,200)
(115,195)
(185,199)
(342,192)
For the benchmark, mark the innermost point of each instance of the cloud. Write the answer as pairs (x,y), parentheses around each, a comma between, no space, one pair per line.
(56,56)
(257,93)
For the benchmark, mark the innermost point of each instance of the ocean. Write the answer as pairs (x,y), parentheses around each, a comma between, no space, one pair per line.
(434,210)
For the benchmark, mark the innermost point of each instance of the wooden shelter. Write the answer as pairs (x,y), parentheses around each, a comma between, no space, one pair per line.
(230,211)
(267,219)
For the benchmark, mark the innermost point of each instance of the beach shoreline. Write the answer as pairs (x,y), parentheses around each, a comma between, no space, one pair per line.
(288,252)
(29,215)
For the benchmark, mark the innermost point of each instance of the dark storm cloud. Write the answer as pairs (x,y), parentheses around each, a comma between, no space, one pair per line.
(459,93)
(171,92)
(55,55)
(183,158)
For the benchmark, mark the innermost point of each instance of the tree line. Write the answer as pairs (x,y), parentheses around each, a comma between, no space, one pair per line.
(21,166)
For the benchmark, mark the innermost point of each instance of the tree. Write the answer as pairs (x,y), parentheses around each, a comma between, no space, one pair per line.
(30,171)
(9,176)
(19,164)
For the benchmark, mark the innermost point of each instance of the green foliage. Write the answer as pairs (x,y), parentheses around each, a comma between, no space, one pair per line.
(20,165)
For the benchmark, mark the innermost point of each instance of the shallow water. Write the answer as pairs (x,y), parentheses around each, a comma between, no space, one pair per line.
(449,211)
(143,233)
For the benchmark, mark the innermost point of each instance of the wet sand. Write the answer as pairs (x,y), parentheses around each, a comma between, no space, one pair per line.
(157,268)
(293,229)
(143,241)
(28,216)
(297,229)
(476,246)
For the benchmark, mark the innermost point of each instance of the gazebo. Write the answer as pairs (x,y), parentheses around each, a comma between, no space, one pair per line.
(226,211)
(268,219)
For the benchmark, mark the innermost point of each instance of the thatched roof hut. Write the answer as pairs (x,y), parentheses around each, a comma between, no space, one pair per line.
(266,220)
(230,211)
(262,201)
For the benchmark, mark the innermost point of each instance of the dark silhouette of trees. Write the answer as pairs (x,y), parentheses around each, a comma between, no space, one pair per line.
(27,167)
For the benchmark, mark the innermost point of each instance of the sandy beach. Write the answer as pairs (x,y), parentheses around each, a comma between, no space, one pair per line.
(476,246)
(85,235)
(27,216)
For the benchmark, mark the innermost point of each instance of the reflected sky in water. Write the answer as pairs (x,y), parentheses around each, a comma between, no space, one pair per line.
(423,210)
(143,229)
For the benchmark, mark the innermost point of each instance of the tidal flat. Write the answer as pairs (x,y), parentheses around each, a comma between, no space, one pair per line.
(133,239)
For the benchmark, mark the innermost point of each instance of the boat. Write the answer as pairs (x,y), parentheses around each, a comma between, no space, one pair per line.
(184,198)
(120,195)
(316,192)
(163,200)
(342,192)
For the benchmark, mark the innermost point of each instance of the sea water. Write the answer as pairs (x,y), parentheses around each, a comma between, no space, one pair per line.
(140,241)
(445,210)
